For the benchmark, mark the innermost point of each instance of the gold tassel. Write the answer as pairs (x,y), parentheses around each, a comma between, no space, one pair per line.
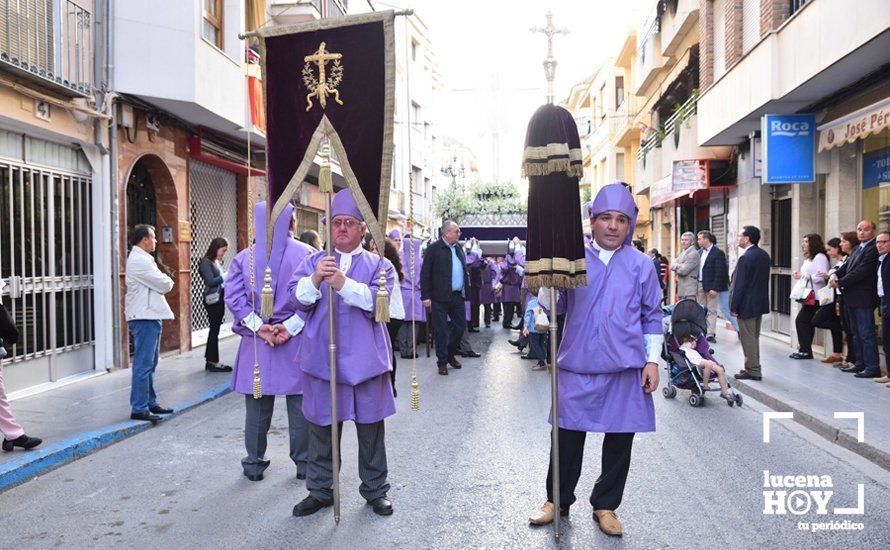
(415,393)
(325,179)
(382,313)
(257,383)
(267,306)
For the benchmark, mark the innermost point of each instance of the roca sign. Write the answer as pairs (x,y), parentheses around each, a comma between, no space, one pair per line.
(789,148)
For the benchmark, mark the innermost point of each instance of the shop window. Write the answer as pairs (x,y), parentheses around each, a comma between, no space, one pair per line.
(876,179)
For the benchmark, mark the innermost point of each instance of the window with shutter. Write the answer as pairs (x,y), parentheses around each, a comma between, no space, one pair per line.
(750,24)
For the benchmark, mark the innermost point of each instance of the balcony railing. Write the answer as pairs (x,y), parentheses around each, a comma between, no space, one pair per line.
(671,125)
(55,46)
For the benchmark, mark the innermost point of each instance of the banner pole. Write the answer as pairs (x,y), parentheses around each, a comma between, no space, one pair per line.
(554,410)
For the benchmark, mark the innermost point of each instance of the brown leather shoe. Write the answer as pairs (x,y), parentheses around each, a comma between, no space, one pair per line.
(443,369)
(454,363)
(608,522)
(882,380)
(544,516)
(835,358)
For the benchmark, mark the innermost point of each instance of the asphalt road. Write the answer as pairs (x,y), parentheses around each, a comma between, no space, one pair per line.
(466,471)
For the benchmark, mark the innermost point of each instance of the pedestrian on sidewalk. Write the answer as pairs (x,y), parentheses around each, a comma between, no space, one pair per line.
(145,308)
(858,279)
(815,262)
(686,267)
(882,241)
(606,382)
(269,343)
(364,389)
(749,298)
(713,276)
(829,316)
(13,434)
(211,271)
(536,338)
(444,284)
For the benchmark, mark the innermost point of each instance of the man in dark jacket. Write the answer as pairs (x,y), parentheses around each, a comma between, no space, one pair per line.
(713,277)
(749,298)
(858,279)
(444,285)
(883,243)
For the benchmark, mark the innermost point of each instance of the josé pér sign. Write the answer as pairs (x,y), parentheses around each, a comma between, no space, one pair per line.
(789,148)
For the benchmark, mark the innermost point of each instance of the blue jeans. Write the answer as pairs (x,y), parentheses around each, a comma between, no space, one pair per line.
(447,342)
(865,339)
(724,304)
(147,342)
(538,341)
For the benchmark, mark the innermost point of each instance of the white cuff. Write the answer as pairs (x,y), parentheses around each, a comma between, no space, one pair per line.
(293,324)
(520,270)
(654,343)
(306,292)
(357,294)
(252,322)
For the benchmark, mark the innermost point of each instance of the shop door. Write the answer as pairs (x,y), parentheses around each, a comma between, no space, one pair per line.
(46,261)
(780,274)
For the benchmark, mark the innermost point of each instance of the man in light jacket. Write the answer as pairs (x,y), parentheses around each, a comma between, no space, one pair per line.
(686,268)
(145,308)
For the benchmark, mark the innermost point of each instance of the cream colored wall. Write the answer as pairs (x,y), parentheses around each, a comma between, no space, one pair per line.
(17,113)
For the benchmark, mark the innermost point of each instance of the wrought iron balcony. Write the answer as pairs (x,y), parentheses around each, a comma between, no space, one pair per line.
(49,40)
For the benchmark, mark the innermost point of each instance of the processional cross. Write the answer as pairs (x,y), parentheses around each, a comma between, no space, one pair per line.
(321,87)
(549,62)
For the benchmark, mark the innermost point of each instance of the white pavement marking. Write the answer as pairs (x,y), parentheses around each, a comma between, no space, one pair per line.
(767,416)
(859,417)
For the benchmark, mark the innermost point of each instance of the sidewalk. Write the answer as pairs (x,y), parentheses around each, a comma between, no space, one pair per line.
(814,391)
(81,418)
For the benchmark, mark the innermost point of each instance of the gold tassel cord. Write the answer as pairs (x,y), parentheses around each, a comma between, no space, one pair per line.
(325,178)
(415,393)
(267,305)
(381,315)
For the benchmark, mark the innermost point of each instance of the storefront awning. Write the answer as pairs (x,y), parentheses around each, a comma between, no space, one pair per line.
(857,125)
(662,191)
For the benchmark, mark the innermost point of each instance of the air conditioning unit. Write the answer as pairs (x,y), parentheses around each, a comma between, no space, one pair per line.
(126,118)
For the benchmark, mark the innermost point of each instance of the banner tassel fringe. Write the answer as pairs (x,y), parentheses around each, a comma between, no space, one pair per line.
(267,306)
(381,314)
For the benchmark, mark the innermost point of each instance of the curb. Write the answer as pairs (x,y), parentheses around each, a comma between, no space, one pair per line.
(36,463)
(817,425)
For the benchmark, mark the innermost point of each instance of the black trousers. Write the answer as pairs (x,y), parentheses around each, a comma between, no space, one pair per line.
(826,317)
(447,341)
(496,311)
(215,312)
(615,463)
(805,329)
(393,327)
(474,314)
(487,309)
(509,309)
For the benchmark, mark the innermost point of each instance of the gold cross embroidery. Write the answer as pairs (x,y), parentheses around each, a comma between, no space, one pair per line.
(322,86)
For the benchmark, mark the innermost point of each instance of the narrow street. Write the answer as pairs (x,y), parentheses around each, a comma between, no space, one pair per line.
(465,472)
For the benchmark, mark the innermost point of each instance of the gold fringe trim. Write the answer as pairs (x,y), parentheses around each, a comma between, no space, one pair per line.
(571,168)
(555,280)
(381,313)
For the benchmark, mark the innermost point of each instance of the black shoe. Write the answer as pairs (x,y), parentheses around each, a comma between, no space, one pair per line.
(309,506)
(157,409)
(745,375)
(801,355)
(712,339)
(514,343)
(527,356)
(219,367)
(148,417)
(868,374)
(470,354)
(382,506)
(518,327)
(253,477)
(854,368)
(301,476)
(472,330)
(487,325)
(24,441)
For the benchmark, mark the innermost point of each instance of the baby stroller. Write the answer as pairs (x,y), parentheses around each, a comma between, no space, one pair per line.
(688,318)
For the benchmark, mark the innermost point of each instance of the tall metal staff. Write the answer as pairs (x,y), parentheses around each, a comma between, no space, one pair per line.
(549,72)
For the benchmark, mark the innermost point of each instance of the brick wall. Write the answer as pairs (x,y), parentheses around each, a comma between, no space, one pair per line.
(772,14)
(706,43)
(733,31)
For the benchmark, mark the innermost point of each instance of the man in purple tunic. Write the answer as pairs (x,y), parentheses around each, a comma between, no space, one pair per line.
(364,357)
(511,281)
(608,359)
(487,294)
(276,343)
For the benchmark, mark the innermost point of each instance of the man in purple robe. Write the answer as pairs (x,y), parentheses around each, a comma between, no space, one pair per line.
(410,289)
(487,294)
(474,271)
(364,357)
(277,344)
(608,359)
(512,272)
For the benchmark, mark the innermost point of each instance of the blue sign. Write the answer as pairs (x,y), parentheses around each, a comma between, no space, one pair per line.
(789,148)
(876,168)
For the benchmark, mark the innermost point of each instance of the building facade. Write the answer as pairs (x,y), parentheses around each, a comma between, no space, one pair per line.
(826,59)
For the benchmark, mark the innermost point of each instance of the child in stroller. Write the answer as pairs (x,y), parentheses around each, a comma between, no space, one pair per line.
(685,348)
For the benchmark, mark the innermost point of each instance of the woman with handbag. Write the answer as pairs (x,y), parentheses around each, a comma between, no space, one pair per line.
(214,278)
(809,282)
(828,316)
(13,434)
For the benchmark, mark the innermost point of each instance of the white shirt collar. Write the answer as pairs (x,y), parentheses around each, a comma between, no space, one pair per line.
(355,252)
(346,258)
(604,255)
